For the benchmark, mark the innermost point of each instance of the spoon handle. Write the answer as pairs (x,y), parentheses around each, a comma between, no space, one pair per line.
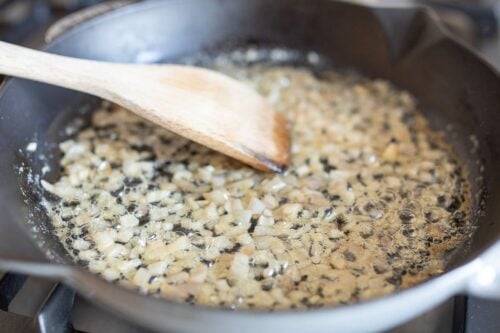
(83,75)
(199,104)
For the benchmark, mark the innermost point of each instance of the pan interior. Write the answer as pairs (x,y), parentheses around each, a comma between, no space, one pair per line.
(65,125)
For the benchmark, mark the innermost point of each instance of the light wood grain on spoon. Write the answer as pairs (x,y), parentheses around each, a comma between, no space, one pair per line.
(199,104)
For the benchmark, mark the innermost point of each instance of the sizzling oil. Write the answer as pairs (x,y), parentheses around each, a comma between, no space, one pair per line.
(373,201)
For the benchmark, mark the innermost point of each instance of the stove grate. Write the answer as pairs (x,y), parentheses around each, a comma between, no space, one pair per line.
(53,316)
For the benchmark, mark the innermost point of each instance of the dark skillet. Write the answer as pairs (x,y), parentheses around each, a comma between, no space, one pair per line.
(404,45)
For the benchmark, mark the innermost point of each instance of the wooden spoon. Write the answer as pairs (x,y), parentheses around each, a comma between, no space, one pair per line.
(199,104)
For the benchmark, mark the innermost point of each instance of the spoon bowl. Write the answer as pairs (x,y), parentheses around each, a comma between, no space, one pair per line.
(197,103)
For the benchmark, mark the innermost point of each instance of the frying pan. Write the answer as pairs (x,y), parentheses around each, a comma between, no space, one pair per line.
(457,91)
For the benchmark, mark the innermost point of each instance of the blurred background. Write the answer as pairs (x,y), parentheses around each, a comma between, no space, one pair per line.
(26,21)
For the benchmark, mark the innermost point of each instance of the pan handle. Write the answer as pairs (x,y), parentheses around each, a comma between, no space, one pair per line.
(486,281)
